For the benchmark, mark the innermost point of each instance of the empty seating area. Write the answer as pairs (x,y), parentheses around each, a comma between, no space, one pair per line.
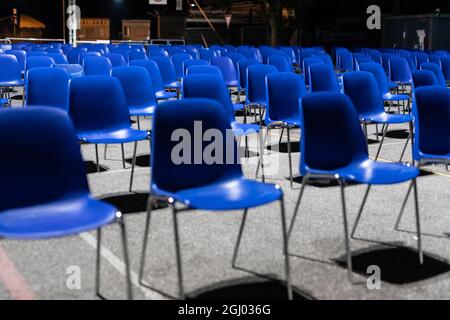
(169,171)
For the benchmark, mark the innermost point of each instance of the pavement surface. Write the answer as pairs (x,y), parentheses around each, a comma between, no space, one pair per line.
(65,268)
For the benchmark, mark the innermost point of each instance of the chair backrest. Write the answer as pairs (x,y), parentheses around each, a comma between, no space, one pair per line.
(38,62)
(242,70)
(420,58)
(116,60)
(235,57)
(154,73)
(87,54)
(362,88)
(137,85)
(323,78)
(195,62)
(325,57)
(209,86)
(253,53)
(436,69)
(137,55)
(306,63)
(432,116)
(178,60)
(180,120)
(74,70)
(226,66)
(37,54)
(207,69)
(48,87)
(341,143)
(379,74)
(345,59)
(423,78)
(206,54)
(97,66)
(166,68)
(21,56)
(289,52)
(399,70)
(98,103)
(256,82)
(10,70)
(284,93)
(445,62)
(280,62)
(74,55)
(59,58)
(43,162)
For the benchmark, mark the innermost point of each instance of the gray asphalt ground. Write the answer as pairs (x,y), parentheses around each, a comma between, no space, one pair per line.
(208,238)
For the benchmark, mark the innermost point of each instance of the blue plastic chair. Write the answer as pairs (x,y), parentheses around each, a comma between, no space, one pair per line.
(399,71)
(281,63)
(84,55)
(49,196)
(74,70)
(168,73)
(333,147)
(432,132)
(253,53)
(206,54)
(423,78)
(284,93)
(38,62)
(137,55)
(242,71)
(74,55)
(48,87)
(256,83)
(362,88)
(204,69)
(10,75)
(138,88)
(59,58)
(306,63)
(99,111)
(116,60)
(380,76)
(445,62)
(202,186)
(226,66)
(195,62)
(154,73)
(21,56)
(345,61)
(210,86)
(436,69)
(323,78)
(235,57)
(97,66)
(178,61)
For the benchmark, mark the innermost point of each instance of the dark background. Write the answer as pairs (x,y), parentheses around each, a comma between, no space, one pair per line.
(313,15)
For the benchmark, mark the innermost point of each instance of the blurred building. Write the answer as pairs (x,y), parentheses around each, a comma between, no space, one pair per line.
(94,29)
(22,26)
(136,30)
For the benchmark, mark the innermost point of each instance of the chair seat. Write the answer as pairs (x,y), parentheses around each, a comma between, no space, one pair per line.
(384,117)
(392,85)
(233,194)
(165,95)
(173,85)
(291,122)
(434,158)
(243,129)
(373,172)
(113,136)
(3,101)
(233,83)
(14,83)
(395,97)
(238,107)
(56,219)
(141,111)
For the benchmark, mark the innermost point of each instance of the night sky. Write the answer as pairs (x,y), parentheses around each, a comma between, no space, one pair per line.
(320,12)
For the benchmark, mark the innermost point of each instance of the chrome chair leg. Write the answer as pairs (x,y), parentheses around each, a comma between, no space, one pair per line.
(402,210)
(133,165)
(297,206)
(105,151)
(290,156)
(238,242)
(126,257)
(96,157)
(358,217)
(123,155)
(97,264)
(410,137)
(347,238)
(416,210)
(261,155)
(178,253)
(382,141)
(145,240)
(285,251)
(281,135)
(263,146)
